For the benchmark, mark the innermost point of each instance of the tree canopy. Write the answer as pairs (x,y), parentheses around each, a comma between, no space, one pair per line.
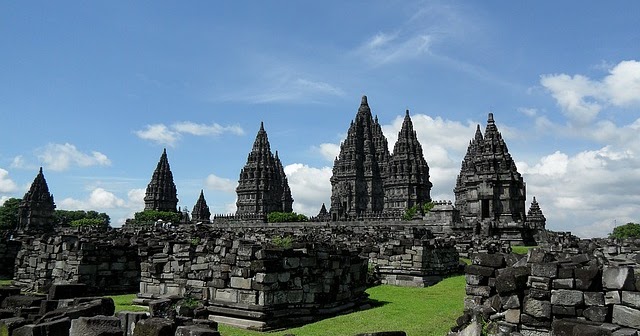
(629,230)
(281,217)
(9,213)
(67,217)
(149,216)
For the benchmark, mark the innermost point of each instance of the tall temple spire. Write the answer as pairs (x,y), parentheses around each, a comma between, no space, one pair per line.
(262,186)
(489,185)
(161,194)
(535,217)
(201,211)
(36,210)
(407,173)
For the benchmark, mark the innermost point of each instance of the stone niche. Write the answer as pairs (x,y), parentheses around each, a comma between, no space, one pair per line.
(253,286)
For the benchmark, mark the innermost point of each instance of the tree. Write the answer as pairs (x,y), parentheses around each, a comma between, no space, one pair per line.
(89,222)
(66,217)
(629,230)
(150,216)
(282,217)
(9,213)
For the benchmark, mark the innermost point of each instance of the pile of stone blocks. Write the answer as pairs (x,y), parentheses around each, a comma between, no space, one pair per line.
(554,294)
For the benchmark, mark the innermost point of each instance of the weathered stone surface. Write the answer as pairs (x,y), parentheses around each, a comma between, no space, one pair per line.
(596,313)
(537,308)
(618,278)
(511,279)
(570,327)
(9,324)
(96,326)
(510,302)
(626,316)
(566,297)
(625,332)
(19,301)
(67,291)
(563,310)
(484,291)
(489,260)
(547,270)
(128,320)
(612,297)
(57,327)
(195,330)
(587,278)
(512,316)
(631,299)
(562,283)
(479,270)
(155,327)
(162,308)
(593,298)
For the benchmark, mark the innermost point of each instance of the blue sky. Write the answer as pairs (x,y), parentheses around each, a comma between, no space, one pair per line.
(94,91)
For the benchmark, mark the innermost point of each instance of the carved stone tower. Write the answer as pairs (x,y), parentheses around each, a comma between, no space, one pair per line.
(489,185)
(535,217)
(407,174)
(161,192)
(262,187)
(201,211)
(358,171)
(35,213)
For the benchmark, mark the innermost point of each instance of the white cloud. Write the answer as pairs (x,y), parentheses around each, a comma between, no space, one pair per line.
(384,48)
(159,134)
(98,199)
(192,128)
(169,135)
(6,184)
(329,151)
(214,182)
(59,157)
(582,98)
(286,89)
(310,187)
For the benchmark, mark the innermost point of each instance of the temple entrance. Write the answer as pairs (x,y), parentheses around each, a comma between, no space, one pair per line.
(485,208)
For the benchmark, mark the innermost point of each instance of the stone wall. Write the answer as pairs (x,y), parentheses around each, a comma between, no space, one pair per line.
(8,252)
(592,289)
(103,260)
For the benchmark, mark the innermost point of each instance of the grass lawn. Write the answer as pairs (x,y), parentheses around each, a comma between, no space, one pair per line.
(418,311)
(5,282)
(522,249)
(124,302)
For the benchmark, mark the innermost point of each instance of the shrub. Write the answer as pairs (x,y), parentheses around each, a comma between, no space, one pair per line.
(282,242)
(283,217)
(86,222)
(153,215)
(629,230)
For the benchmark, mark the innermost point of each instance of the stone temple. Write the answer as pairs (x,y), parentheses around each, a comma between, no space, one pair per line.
(368,180)
(161,192)
(263,187)
(36,210)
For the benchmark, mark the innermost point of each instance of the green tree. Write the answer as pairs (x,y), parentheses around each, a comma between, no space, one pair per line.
(149,216)
(629,230)
(9,213)
(65,217)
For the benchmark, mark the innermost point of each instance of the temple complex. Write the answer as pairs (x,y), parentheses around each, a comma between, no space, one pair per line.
(161,192)
(489,186)
(36,210)
(367,179)
(263,186)
(201,211)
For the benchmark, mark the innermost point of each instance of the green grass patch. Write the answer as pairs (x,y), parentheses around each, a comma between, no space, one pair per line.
(125,302)
(467,261)
(522,249)
(5,282)
(418,311)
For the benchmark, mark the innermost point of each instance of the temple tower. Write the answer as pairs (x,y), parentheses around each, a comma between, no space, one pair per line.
(262,186)
(161,192)
(35,213)
(535,217)
(407,173)
(489,185)
(358,171)
(201,211)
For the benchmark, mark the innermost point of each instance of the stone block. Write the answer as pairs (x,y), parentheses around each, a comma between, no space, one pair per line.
(155,327)
(128,320)
(596,313)
(67,291)
(512,316)
(539,294)
(587,278)
(196,330)
(241,283)
(631,299)
(162,308)
(8,325)
(614,277)
(593,298)
(479,270)
(612,297)
(565,273)
(489,260)
(537,308)
(96,326)
(562,283)
(511,279)
(539,282)
(547,270)
(510,302)
(58,327)
(566,297)
(18,301)
(476,280)
(484,291)
(625,332)
(226,295)
(563,310)
(626,316)
(538,322)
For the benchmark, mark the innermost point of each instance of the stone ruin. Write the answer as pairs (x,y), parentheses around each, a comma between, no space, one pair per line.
(589,287)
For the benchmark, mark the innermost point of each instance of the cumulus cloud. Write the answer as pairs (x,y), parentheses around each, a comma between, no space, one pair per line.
(310,187)
(98,199)
(60,157)
(329,151)
(170,135)
(214,182)
(6,184)
(582,98)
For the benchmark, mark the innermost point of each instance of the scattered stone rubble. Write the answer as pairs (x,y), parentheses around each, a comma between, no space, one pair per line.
(589,288)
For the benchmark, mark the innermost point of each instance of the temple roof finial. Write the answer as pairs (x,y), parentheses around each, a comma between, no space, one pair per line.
(364,101)
(490,119)
(40,172)
(407,113)
(262,126)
